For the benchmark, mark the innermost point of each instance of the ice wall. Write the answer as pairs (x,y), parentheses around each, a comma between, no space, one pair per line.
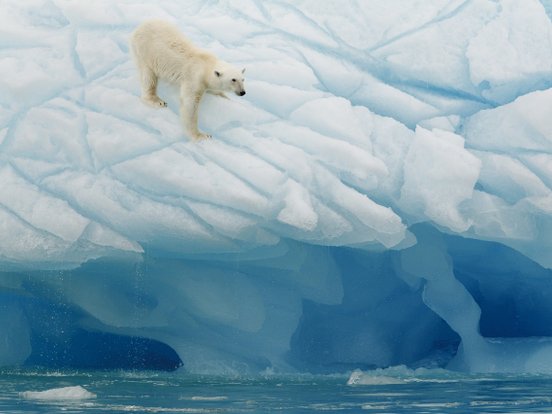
(381,196)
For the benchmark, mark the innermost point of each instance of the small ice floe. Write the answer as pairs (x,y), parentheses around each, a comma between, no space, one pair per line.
(402,375)
(360,378)
(59,394)
(209,398)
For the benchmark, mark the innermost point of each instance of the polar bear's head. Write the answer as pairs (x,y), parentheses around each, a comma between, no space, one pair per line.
(230,79)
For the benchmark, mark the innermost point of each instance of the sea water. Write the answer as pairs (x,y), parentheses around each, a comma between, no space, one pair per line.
(38,391)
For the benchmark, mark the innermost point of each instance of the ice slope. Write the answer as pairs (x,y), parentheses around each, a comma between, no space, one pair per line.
(380,196)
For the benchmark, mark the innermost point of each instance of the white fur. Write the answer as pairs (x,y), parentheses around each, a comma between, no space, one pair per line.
(162,52)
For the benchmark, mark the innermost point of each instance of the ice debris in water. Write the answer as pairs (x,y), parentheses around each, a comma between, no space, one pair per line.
(380,196)
(401,375)
(58,394)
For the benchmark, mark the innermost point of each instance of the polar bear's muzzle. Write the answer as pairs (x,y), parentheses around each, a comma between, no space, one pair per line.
(240,93)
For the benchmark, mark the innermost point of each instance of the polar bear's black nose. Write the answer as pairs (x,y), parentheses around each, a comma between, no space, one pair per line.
(242,93)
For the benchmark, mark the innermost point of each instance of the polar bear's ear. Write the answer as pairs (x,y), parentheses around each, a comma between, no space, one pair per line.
(218,73)
(243,70)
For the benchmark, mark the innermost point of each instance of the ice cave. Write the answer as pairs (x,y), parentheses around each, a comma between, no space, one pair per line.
(382,195)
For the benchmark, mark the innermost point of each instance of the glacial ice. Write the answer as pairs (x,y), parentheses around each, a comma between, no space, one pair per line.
(380,197)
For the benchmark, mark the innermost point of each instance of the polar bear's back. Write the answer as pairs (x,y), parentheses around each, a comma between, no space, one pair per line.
(161,47)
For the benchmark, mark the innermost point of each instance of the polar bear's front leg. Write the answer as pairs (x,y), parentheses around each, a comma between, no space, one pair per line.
(149,89)
(189,107)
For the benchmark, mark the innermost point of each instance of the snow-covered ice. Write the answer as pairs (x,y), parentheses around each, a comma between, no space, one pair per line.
(381,195)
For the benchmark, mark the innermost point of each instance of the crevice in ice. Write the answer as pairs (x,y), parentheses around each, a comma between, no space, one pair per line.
(547,4)
(439,18)
(248,179)
(302,16)
(74,54)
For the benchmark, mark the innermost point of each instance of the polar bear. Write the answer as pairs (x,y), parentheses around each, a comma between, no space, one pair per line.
(162,52)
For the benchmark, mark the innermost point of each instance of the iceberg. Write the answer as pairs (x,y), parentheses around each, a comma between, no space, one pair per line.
(380,197)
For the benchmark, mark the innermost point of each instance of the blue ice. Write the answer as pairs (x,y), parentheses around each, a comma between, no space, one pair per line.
(380,197)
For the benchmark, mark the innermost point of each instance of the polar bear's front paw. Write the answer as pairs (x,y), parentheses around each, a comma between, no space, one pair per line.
(201,136)
(155,101)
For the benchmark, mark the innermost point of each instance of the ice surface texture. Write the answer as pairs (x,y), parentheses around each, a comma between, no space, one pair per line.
(381,196)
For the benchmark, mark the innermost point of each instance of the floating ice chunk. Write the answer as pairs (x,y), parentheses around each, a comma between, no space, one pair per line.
(59,394)
(357,377)
(209,398)
(402,375)
(439,175)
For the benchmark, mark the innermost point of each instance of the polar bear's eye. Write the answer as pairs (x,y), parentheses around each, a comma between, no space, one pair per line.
(233,80)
